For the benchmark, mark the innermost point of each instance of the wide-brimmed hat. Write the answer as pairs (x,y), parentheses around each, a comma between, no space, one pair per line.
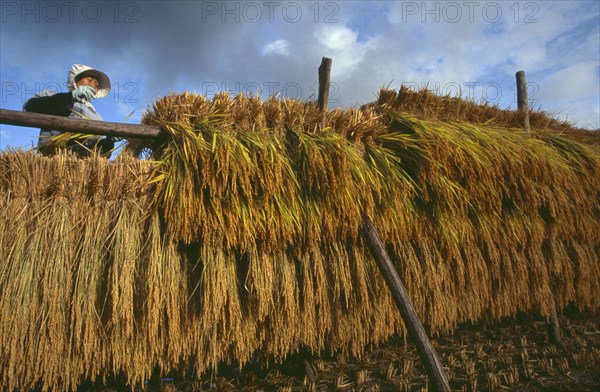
(78,70)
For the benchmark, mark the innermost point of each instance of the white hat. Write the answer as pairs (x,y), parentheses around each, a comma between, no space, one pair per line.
(79,69)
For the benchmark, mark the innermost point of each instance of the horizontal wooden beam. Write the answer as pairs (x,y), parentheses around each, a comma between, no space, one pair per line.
(69,124)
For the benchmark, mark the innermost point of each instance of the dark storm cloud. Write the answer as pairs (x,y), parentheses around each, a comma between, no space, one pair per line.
(191,45)
(276,46)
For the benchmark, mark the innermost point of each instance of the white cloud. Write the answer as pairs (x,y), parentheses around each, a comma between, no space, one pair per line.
(571,93)
(4,135)
(280,46)
(337,38)
(341,43)
(572,82)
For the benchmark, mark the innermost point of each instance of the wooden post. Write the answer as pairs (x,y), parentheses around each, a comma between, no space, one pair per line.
(416,332)
(69,124)
(324,79)
(522,99)
(554,334)
(415,329)
(323,99)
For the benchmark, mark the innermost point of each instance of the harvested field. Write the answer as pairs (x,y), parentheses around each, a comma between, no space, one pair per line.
(513,355)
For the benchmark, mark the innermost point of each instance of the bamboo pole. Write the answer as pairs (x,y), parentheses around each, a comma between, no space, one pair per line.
(522,99)
(69,124)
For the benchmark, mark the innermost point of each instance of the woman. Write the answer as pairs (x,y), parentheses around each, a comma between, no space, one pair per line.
(84,83)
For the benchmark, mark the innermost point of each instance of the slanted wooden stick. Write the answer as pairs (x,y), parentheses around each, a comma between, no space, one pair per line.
(416,332)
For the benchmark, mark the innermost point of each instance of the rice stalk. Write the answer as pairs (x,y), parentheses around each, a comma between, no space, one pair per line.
(240,236)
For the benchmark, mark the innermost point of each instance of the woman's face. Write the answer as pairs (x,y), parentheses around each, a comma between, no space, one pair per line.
(88,80)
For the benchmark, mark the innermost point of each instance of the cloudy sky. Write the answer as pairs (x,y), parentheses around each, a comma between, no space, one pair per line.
(153,48)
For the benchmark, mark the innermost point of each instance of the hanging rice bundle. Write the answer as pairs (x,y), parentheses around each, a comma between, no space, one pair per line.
(240,236)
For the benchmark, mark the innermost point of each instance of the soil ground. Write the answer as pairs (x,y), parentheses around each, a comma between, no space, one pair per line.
(514,355)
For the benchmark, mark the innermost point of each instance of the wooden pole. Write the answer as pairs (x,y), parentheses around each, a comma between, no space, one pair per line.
(416,332)
(323,99)
(324,83)
(69,124)
(522,99)
(415,329)
(554,334)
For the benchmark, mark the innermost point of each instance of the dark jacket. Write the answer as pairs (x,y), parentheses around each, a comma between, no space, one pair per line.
(62,104)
